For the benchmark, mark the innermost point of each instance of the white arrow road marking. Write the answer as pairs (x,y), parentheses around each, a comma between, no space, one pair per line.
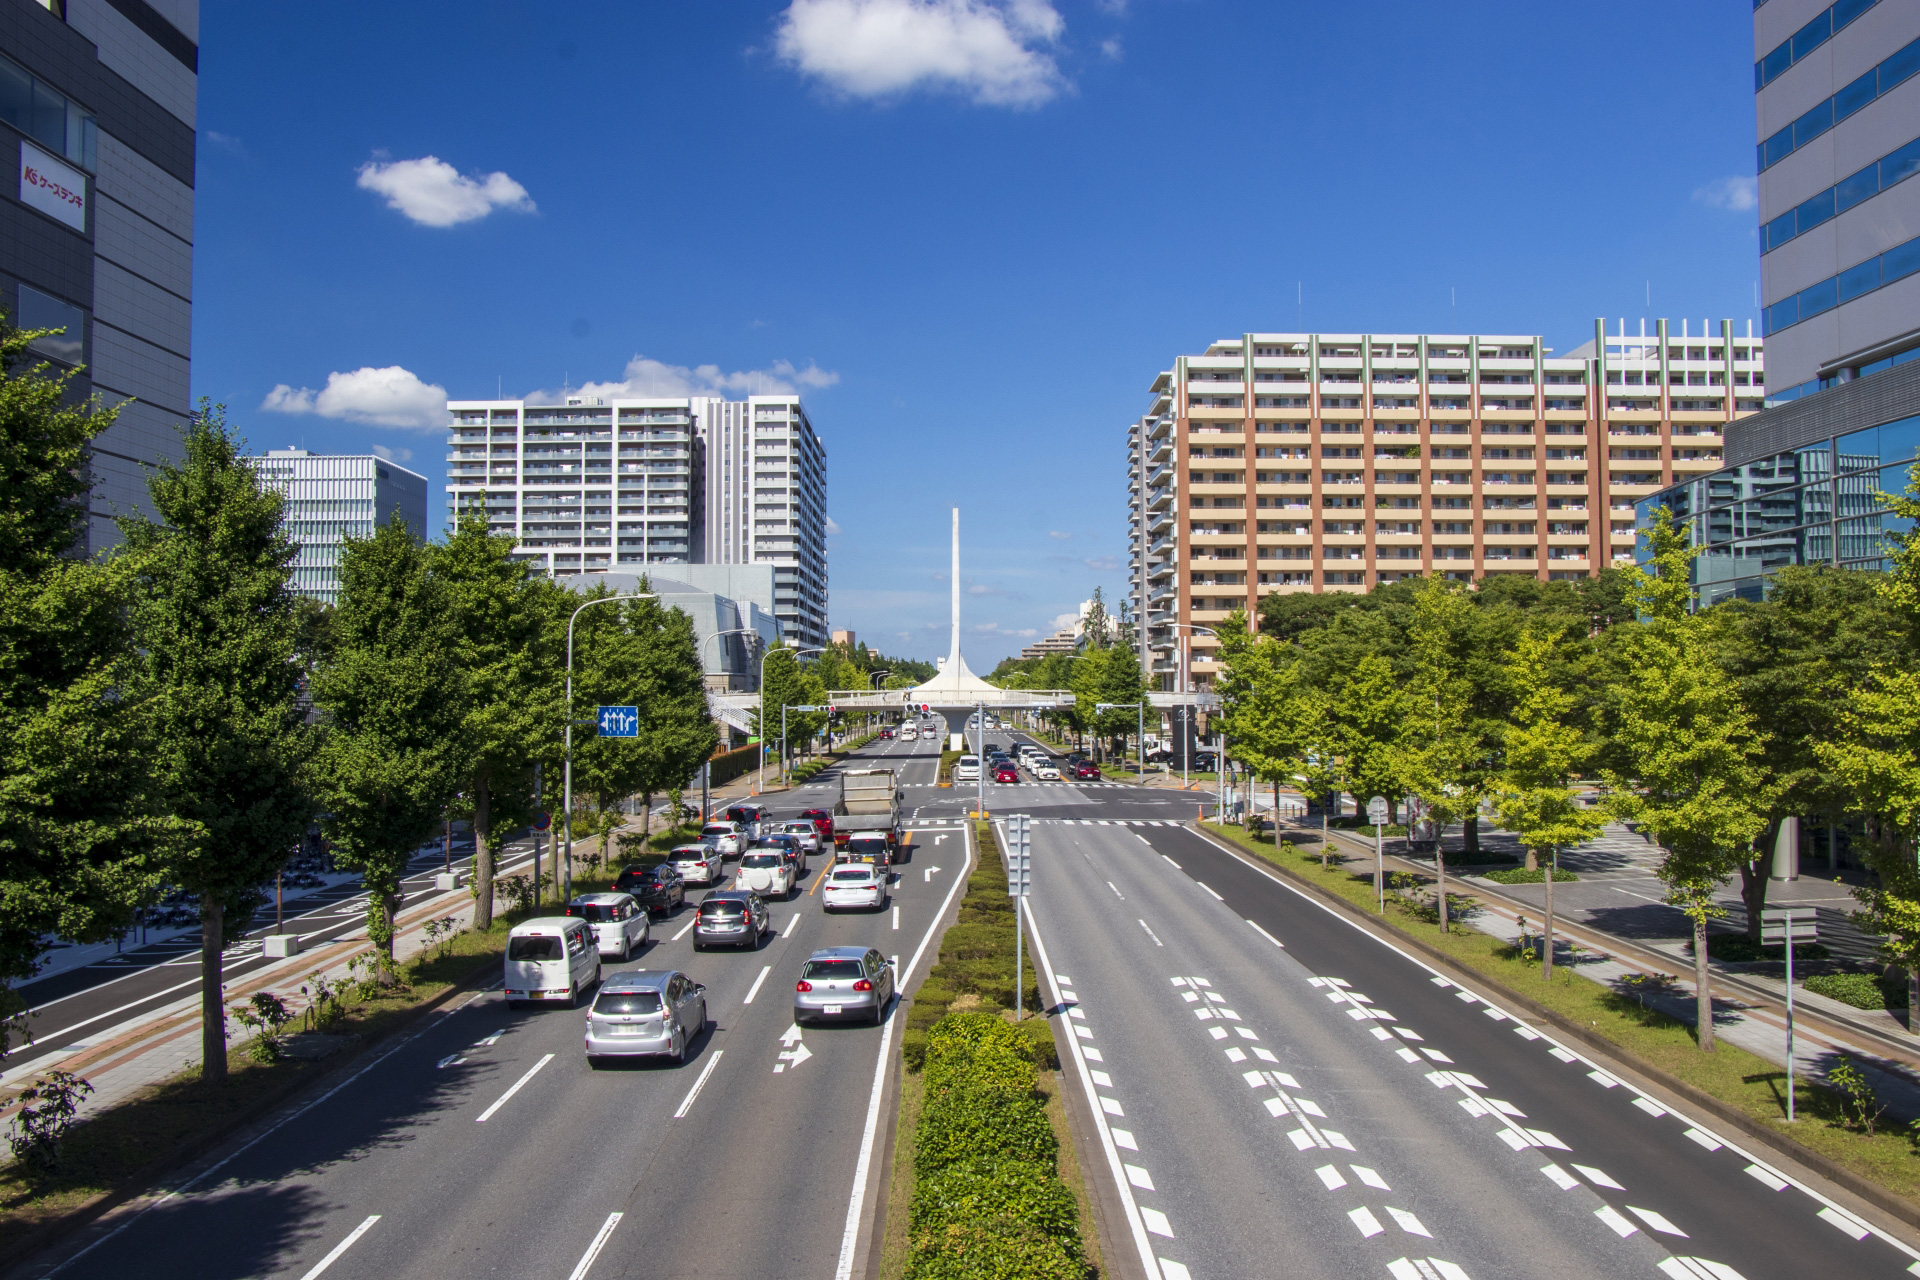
(791,1034)
(937,840)
(593,1250)
(794,1057)
(518,1085)
(928,877)
(341,1248)
(488,1041)
(451,1060)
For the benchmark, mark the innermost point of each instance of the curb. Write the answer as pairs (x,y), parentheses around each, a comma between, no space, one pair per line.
(1906,1212)
(141,1180)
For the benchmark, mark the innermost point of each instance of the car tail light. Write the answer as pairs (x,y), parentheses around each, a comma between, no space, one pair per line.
(863,985)
(803,985)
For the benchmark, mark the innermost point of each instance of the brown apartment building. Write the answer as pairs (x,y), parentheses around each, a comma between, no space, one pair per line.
(1333,462)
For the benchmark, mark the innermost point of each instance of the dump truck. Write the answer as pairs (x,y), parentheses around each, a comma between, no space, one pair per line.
(869,804)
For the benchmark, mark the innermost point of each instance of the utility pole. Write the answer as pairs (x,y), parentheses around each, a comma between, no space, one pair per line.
(1019,884)
(564,865)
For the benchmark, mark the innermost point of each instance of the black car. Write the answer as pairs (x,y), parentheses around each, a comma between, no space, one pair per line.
(796,853)
(659,889)
(1205,761)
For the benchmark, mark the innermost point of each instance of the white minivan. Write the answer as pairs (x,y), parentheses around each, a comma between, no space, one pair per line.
(966,769)
(551,958)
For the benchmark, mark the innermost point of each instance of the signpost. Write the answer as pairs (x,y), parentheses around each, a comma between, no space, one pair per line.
(798,706)
(619,722)
(1377,815)
(1785,926)
(1019,885)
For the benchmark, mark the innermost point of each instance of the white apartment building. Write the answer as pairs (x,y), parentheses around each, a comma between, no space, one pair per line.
(597,486)
(331,497)
(1282,462)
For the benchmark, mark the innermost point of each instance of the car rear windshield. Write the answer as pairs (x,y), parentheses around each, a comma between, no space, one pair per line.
(535,948)
(853,873)
(832,969)
(627,1002)
(761,860)
(591,912)
(722,908)
(717,829)
(865,844)
(798,828)
(690,853)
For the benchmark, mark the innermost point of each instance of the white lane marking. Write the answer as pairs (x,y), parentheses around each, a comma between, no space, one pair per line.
(791,924)
(1649,1106)
(1560,1177)
(1681,1267)
(1435,1054)
(341,1248)
(689,924)
(593,1250)
(754,990)
(1657,1221)
(1706,1140)
(1102,1079)
(1171,862)
(1236,1055)
(1204,885)
(1771,1180)
(1139,1177)
(1157,1223)
(1609,1215)
(1370,1177)
(517,1086)
(1604,1080)
(1265,1055)
(1111,1106)
(1408,1223)
(1331,1176)
(1063,980)
(1173,1270)
(1116,891)
(1123,1138)
(686,1103)
(1407,1055)
(896,917)
(1152,934)
(863,1168)
(1269,937)
(1363,1218)
(1563,1055)
(1846,1222)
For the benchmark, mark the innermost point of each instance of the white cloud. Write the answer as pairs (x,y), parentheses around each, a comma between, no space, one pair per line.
(1735,194)
(432,193)
(1068,621)
(833,526)
(646,377)
(392,455)
(1055,533)
(1103,562)
(1112,49)
(389,397)
(990,50)
(995,629)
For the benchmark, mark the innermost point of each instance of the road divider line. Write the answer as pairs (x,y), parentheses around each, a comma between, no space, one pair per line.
(683,928)
(788,931)
(341,1248)
(518,1085)
(599,1243)
(821,878)
(863,1168)
(754,990)
(1209,888)
(1269,937)
(1152,934)
(686,1103)
(1170,862)
(896,917)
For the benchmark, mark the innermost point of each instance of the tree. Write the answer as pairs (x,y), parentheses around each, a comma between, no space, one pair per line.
(1439,756)
(396,744)
(1265,708)
(1368,709)
(1120,686)
(1099,626)
(81,840)
(508,635)
(215,625)
(1544,753)
(1696,783)
(787,684)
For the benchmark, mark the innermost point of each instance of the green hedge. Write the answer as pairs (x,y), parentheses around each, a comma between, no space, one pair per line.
(988,1203)
(1538,875)
(1861,990)
(802,772)
(729,765)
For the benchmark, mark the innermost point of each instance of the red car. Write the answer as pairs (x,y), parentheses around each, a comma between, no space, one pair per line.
(1087,771)
(822,822)
(1005,773)
(886,733)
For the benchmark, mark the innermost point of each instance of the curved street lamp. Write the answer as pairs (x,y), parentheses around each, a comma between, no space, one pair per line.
(566,812)
(762,691)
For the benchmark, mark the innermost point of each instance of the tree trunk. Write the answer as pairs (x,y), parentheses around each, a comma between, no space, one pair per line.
(1703,994)
(646,817)
(1470,838)
(1533,860)
(1753,885)
(482,852)
(1546,944)
(213,1011)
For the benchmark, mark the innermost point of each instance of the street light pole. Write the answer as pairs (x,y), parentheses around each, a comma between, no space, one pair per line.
(762,691)
(566,865)
(1184,678)
(706,766)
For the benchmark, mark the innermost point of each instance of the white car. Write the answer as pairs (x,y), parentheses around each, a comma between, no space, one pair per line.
(855,884)
(804,831)
(966,769)
(1045,772)
(619,924)
(907,734)
(766,873)
(724,836)
(698,863)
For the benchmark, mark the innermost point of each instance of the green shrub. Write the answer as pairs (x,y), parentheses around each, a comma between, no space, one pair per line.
(913,1046)
(992,1249)
(999,1064)
(1861,990)
(1538,875)
(1041,1048)
(965,1122)
(1738,948)
(991,1187)
(976,941)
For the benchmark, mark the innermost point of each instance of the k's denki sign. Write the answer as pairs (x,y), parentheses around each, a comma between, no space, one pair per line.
(619,722)
(53,187)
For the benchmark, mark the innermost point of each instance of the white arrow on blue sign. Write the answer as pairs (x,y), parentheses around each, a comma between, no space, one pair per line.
(619,722)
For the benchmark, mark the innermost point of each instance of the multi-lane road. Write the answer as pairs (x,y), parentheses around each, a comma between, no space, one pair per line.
(1275,1091)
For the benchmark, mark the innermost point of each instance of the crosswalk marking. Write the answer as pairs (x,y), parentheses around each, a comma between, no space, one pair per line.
(1061,822)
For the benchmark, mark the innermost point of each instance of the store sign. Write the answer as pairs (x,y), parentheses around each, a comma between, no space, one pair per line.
(53,186)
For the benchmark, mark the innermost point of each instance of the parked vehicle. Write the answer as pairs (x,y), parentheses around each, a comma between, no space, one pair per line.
(855,884)
(620,925)
(766,872)
(867,848)
(804,831)
(844,982)
(698,862)
(731,918)
(659,889)
(645,1013)
(550,958)
(726,837)
(966,769)
(869,802)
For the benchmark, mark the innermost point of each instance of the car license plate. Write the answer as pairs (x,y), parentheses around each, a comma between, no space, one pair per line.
(832,1008)
(623,1030)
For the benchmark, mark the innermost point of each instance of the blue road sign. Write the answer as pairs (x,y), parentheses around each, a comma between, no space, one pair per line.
(619,722)
(542,822)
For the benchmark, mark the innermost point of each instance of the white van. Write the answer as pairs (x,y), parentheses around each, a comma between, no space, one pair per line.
(907,733)
(551,958)
(966,769)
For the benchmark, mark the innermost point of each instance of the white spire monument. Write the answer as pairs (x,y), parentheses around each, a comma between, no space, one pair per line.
(954,685)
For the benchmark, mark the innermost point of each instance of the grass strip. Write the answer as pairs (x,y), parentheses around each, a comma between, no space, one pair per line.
(1832,1125)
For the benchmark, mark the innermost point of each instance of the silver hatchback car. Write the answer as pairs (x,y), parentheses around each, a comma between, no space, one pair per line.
(645,1013)
(844,982)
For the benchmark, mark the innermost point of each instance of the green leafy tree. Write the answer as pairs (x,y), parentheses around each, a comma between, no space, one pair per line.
(1265,711)
(508,634)
(1439,755)
(1368,709)
(787,684)
(1121,684)
(215,624)
(81,839)
(1697,785)
(397,746)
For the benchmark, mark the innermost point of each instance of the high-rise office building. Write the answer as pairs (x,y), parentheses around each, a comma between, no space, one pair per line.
(593,486)
(1838,104)
(331,497)
(1285,462)
(96,238)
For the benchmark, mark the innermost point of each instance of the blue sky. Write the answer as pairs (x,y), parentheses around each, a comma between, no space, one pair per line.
(969,231)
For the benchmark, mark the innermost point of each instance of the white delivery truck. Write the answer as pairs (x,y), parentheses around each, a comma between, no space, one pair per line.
(869,804)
